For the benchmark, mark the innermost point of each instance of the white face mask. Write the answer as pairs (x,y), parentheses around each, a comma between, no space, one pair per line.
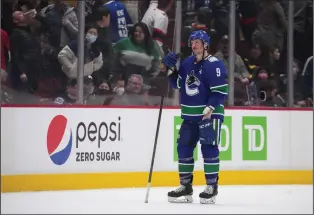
(91,38)
(120,91)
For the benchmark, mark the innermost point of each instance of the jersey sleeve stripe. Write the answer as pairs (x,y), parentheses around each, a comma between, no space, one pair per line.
(159,35)
(215,91)
(219,86)
(156,30)
(223,89)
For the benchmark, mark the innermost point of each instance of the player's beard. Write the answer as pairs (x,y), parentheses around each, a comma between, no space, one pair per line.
(198,54)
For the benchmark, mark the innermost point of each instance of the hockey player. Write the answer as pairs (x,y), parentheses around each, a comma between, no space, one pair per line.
(202,80)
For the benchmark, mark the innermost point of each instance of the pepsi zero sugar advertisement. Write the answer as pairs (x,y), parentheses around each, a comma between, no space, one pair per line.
(87,140)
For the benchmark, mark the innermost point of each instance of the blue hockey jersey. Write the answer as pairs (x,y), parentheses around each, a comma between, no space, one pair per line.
(201,84)
(119,19)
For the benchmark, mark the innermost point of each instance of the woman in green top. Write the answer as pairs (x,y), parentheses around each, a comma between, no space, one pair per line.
(138,54)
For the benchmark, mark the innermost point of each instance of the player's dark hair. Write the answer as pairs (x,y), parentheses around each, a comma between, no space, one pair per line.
(148,41)
(100,12)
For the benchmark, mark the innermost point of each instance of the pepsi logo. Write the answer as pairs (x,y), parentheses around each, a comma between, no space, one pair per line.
(59,140)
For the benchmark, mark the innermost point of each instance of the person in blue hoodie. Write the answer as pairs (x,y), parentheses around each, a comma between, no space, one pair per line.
(119,20)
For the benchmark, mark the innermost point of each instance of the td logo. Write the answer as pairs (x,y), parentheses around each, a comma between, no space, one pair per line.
(254,134)
(225,145)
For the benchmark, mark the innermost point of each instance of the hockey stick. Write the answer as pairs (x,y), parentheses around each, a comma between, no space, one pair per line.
(156,139)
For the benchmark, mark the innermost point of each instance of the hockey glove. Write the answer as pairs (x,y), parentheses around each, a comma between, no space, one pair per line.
(170,60)
(207,133)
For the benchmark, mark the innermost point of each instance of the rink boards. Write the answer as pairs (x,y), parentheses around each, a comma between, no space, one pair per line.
(85,148)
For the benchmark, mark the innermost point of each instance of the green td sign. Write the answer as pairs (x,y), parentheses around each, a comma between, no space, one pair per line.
(254,138)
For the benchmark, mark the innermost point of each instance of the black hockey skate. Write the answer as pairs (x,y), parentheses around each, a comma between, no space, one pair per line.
(183,194)
(208,196)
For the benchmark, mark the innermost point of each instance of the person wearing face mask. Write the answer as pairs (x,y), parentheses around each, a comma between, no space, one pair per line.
(134,92)
(68,56)
(68,97)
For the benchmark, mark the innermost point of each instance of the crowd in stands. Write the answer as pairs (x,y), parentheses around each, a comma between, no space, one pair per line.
(125,42)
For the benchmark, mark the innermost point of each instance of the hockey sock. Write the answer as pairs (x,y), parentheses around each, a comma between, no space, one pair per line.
(211,163)
(186,167)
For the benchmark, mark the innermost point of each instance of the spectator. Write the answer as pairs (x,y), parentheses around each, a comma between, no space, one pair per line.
(249,11)
(90,7)
(69,96)
(27,5)
(272,25)
(103,43)
(220,10)
(135,93)
(157,20)
(299,99)
(253,60)
(138,54)
(119,20)
(133,10)
(26,57)
(274,64)
(275,53)
(5,50)
(307,80)
(301,28)
(241,73)
(39,24)
(92,56)
(63,21)
(8,7)
(268,94)
(260,74)
(202,23)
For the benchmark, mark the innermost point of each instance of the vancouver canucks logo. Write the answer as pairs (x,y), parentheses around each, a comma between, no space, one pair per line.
(191,84)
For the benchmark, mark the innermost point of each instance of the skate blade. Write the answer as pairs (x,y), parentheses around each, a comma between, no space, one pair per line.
(211,200)
(182,199)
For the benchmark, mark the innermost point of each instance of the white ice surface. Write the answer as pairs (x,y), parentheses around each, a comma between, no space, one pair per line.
(288,199)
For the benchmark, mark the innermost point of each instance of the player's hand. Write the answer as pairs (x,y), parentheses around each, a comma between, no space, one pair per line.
(207,116)
(170,60)
(207,113)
